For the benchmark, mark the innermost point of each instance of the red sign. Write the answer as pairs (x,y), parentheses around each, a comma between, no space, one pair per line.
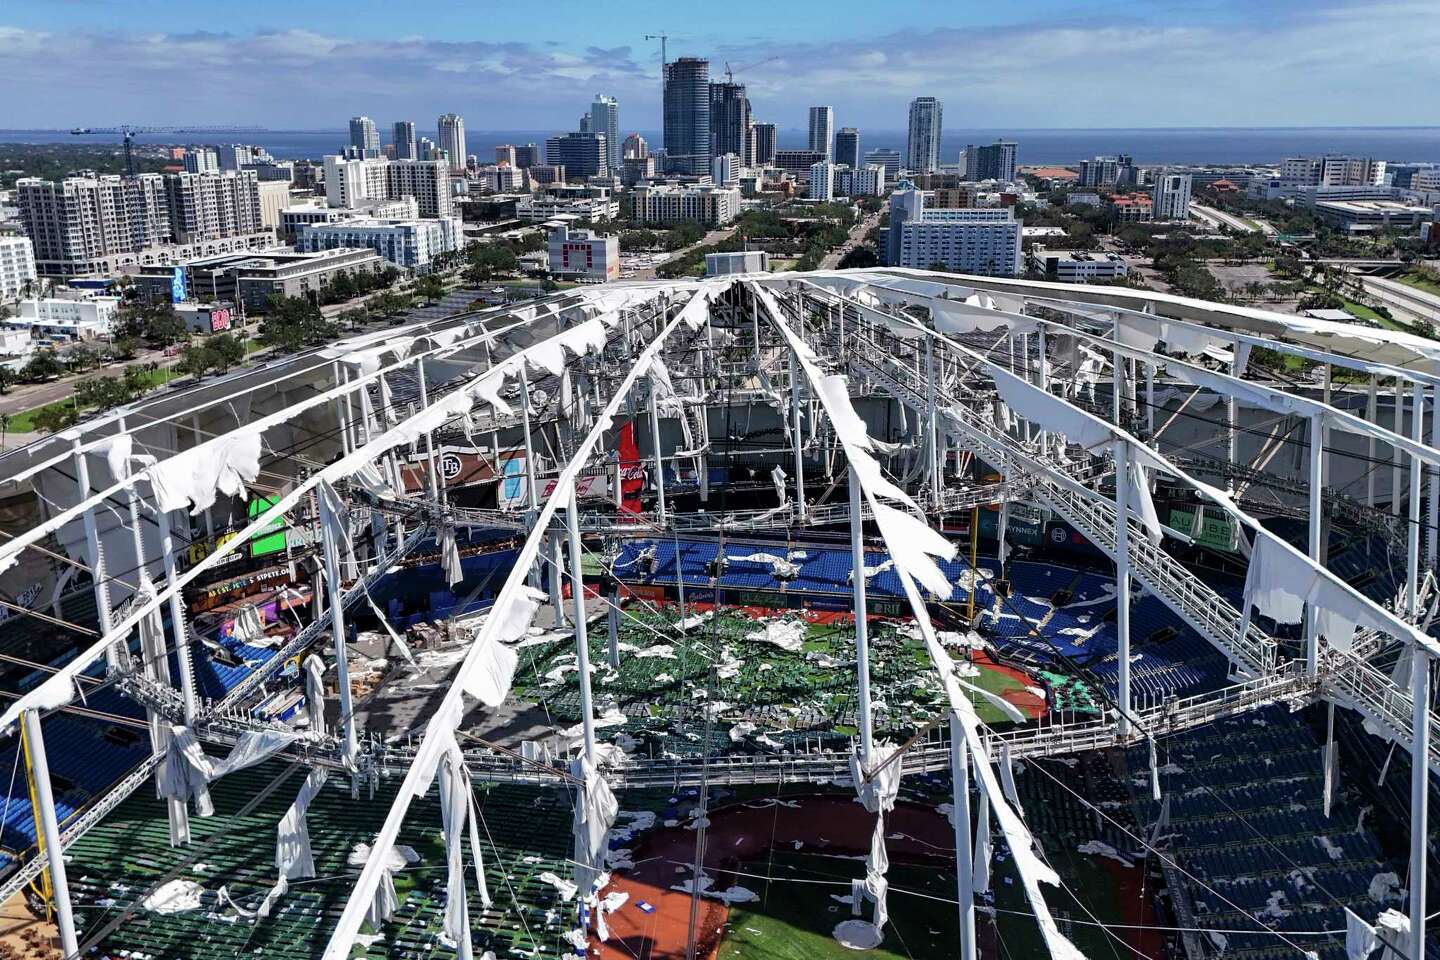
(219,319)
(632,475)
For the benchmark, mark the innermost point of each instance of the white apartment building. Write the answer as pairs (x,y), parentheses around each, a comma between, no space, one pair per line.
(1426,181)
(984,240)
(210,206)
(867,181)
(672,203)
(410,244)
(1331,171)
(350,183)
(583,254)
(17,267)
(1171,196)
(201,160)
(73,319)
(97,225)
(822,182)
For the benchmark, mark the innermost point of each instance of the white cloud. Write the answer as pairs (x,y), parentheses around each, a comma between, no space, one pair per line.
(1311,65)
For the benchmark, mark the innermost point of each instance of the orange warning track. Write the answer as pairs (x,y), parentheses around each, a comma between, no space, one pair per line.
(740,833)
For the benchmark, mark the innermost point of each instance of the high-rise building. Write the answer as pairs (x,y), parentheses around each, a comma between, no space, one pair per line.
(213,206)
(1171,196)
(581,154)
(634,148)
(405,145)
(994,161)
(201,160)
(1116,171)
(822,181)
(764,144)
(364,137)
(1332,171)
(505,154)
(886,158)
(798,162)
(730,121)
(868,181)
(687,115)
(352,183)
(847,147)
(238,156)
(425,149)
(605,119)
(452,139)
(725,169)
(673,203)
(85,225)
(527,155)
(922,146)
(822,131)
(977,240)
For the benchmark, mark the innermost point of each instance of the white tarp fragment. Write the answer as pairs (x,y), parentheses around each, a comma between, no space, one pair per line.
(186,772)
(595,811)
(227,465)
(1050,412)
(450,555)
(878,784)
(1360,938)
(174,896)
(314,669)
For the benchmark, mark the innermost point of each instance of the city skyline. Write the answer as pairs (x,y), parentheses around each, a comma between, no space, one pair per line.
(989,68)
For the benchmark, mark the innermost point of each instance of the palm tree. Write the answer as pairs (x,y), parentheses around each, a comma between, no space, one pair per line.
(4,427)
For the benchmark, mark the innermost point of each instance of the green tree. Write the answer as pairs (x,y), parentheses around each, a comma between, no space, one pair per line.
(56,417)
(225,351)
(430,287)
(196,359)
(163,326)
(44,365)
(293,323)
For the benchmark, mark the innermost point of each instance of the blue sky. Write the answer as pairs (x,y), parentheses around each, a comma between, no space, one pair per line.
(1025,63)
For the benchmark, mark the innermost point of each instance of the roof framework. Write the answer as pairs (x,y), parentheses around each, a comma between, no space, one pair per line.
(1050,386)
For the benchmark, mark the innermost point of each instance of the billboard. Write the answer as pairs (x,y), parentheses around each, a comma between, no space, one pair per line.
(219,319)
(177,286)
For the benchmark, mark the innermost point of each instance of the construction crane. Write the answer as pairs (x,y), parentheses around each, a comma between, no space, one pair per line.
(730,73)
(662,37)
(128,133)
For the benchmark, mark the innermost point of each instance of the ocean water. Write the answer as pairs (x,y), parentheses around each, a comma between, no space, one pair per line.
(1036,146)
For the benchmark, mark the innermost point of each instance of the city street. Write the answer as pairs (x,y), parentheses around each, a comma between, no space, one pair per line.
(857,237)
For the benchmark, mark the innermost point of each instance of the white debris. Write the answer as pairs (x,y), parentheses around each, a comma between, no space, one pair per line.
(662,650)
(566,888)
(177,896)
(1098,848)
(1334,852)
(788,635)
(1385,886)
